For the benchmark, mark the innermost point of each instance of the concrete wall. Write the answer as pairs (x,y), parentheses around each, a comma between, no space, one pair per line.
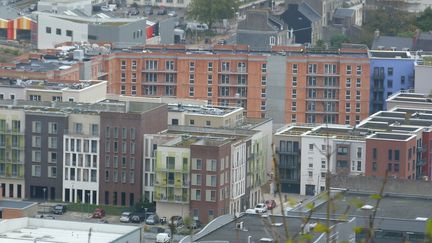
(17,92)
(91,94)
(121,35)
(257,40)
(167,209)
(45,95)
(166,30)
(46,40)
(422,82)
(276,89)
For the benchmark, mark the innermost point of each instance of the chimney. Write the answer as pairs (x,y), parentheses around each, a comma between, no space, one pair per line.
(377,33)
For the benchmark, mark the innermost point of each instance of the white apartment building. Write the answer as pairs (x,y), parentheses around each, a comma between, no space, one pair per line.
(81,159)
(346,147)
(238,175)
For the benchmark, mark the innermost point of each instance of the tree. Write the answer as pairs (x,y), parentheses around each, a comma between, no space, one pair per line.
(337,40)
(210,11)
(424,21)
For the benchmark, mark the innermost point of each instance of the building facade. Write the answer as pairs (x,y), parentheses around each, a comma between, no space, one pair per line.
(44,154)
(390,72)
(12,154)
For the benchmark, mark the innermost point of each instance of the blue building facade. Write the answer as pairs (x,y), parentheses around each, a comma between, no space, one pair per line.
(390,72)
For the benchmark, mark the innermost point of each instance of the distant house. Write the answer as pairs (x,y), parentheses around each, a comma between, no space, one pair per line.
(420,41)
(304,22)
(261,31)
(344,17)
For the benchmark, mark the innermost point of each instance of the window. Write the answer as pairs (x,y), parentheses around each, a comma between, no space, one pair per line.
(312,68)
(52,171)
(191,122)
(359,165)
(36,170)
(342,150)
(169,65)
(358,107)
(191,91)
(396,155)
(330,68)
(295,68)
(310,174)
(151,64)
(36,126)
(396,167)
(402,79)
(58,31)
(347,119)
(263,80)
(52,142)
(264,67)
(389,167)
(294,81)
(210,66)
(374,166)
(390,71)
(348,82)
(191,66)
(272,40)
(170,163)
(347,107)
(52,127)
(359,70)
(348,70)
(48,30)
(225,66)
(358,96)
(36,141)
(35,97)
(69,33)
(374,153)
(311,146)
(241,67)
(134,65)
(347,94)
(211,165)
(390,83)
(358,83)
(294,93)
(197,164)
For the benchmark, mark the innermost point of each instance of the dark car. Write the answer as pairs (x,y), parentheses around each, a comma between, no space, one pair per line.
(133,11)
(162,11)
(98,213)
(148,10)
(152,219)
(59,209)
(137,217)
(270,204)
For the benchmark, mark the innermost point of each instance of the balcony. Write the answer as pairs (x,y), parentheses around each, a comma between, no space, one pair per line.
(378,88)
(421,162)
(159,71)
(288,152)
(420,150)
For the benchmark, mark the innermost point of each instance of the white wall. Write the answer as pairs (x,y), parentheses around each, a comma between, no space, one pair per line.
(18,93)
(92,94)
(58,7)
(47,41)
(423,81)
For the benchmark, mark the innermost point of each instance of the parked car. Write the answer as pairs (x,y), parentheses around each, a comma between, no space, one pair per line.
(271,204)
(157,230)
(162,11)
(98,213)
(222,42)
(148,10)
(152,219)
(176,221)
(59,209)
(125,217)
(196,224)
(192,26)
(163,238)
(102,221)
(260,208)
(133,11)
(137,217)
(172,13)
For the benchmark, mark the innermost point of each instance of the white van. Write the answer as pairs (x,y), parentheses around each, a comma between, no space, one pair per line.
(163,238)
(192,26)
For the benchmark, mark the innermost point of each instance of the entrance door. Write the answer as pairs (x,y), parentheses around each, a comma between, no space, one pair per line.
(310,190)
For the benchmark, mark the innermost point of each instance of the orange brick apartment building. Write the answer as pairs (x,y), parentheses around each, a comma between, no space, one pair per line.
(291,85)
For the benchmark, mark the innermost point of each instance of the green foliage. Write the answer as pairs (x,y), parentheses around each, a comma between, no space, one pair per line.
(337,40)
(428,231)
(320,44)
(320,228)
(210,11)
(89,208)
(376,196)
(142,205)
(356,202)
(389,21)
(357,230)
(424,21)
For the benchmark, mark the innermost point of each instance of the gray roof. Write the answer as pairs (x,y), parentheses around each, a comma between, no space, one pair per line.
(15,204)
(387,42)
(344,13)
(307,11)
(256,227)
(7,12)
(257,20)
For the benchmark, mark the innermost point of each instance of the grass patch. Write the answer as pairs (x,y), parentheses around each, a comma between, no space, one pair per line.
(89,208)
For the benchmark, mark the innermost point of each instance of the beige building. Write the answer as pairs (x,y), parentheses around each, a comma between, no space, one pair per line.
(205,116)
(86,91)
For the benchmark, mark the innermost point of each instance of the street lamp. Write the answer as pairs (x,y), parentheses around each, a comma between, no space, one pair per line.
(88,196)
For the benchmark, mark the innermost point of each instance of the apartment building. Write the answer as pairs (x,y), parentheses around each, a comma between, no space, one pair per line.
(423,68)
(12,139)
(346,147)
(395,157)
(287,143)
(307,86)
(44,132)
(390,72)
(406,99)
(121,139)
(81,159)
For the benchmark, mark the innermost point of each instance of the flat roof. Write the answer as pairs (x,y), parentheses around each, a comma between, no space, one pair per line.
(294,130)
(339,132)
(15,204)
(203,110)
(47,230)
(258,227)
(390,54)
(391,136)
